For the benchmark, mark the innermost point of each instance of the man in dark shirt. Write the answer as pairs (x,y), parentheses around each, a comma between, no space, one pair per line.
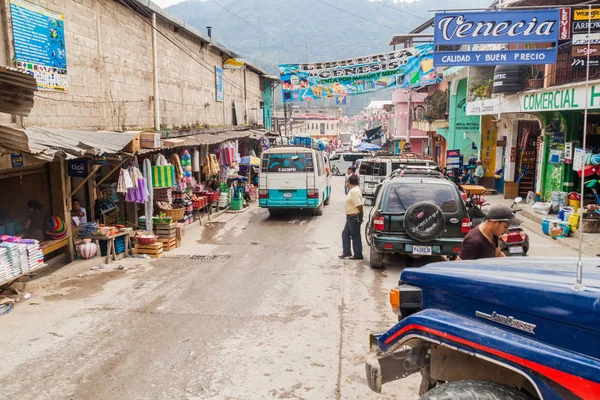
(482,242)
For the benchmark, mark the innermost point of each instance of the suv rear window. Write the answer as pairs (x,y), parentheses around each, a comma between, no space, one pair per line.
(290,162)
(352,157)
(366,168)
(403,195)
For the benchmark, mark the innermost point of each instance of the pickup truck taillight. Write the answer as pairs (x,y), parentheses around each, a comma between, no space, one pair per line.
(378,223)
(263,193)
(465,226)
(312,193)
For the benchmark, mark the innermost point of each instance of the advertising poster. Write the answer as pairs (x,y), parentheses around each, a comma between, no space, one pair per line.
(406,68)
(480,28)
(39,39)
(219,83)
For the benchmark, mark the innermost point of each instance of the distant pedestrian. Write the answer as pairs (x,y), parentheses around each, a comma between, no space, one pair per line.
(351,171)
(479,173)
(482,241)
(354,219)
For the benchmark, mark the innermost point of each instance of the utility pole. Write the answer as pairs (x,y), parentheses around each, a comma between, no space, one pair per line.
(285,118)
(409,117)
(155,75)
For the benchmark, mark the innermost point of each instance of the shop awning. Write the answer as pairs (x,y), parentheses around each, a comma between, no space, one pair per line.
(16,91)
(210,138)
(47,143)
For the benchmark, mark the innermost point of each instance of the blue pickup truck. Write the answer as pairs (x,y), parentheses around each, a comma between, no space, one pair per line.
(494,329)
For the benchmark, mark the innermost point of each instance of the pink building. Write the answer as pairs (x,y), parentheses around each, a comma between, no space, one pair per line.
(418,138)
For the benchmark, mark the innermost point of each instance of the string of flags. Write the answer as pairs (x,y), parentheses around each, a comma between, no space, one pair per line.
(382,117)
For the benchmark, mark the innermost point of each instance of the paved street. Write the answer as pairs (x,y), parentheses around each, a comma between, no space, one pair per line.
(274,314)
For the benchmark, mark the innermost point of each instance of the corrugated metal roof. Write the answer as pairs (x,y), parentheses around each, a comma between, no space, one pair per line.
(16,91)
(47,143)
(207,138)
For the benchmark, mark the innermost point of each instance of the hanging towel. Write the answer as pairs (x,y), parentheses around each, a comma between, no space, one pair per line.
(163,176)
(177,164)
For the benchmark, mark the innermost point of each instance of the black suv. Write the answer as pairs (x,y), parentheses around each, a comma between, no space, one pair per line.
(416,216)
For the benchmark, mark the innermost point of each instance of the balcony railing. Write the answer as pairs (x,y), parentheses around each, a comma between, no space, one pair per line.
(571,69)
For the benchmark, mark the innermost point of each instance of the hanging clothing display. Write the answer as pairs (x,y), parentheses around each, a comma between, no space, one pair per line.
(196,161)
(124,182)
(211,165)
(177,165)
(149,204)
(139,192)
(163,176)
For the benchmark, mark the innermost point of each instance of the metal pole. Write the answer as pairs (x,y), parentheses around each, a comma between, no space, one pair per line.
(409,117)
(579,285)
(285,118)
(155,74)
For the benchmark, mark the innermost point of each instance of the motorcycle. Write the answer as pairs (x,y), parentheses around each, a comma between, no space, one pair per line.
(515,242)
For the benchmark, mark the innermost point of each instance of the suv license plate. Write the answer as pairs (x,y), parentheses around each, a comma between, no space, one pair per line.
(515,250)
(422,250)
(287,195)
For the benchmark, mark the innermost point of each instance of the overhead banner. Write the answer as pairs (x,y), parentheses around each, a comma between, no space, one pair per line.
(39,40)
(476,28)
(406,68)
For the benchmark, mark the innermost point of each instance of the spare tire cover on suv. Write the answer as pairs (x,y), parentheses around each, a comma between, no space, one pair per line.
(424,221)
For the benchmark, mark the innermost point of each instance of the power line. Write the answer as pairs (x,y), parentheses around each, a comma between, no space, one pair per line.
(384,3)
(186,53)
(253,26)
(356,15)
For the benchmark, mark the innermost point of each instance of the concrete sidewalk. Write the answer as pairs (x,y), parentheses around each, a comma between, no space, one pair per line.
(533,221)
(56,272)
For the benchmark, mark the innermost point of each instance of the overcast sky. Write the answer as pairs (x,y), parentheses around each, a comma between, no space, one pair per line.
(166,3)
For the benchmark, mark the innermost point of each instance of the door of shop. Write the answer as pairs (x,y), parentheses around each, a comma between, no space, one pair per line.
(528,146)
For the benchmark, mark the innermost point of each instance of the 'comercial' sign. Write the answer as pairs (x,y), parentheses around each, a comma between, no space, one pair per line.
(468,28)
(552,99)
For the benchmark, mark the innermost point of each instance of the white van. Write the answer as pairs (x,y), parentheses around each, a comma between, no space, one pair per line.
(293,177)
(340,162)
(373,170)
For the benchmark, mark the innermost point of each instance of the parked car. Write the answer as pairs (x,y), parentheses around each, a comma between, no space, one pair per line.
(499,328)
(340,162)
(417,216)
(373,170)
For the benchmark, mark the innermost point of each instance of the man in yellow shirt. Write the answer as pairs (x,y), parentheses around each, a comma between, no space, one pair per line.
(354,218)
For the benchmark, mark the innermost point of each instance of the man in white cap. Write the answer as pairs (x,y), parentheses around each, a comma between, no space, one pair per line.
(482,241)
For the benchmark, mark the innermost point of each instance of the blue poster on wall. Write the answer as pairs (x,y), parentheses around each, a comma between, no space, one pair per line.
(39,39)
(219,83)
(406,68)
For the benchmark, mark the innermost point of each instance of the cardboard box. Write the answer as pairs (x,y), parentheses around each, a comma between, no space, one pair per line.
(172,142)
(150,140)
(180,231)
(134,145)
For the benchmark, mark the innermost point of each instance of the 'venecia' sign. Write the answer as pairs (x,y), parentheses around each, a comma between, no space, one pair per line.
(524,26)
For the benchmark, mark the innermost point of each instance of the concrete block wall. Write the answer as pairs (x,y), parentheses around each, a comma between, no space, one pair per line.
(109,61)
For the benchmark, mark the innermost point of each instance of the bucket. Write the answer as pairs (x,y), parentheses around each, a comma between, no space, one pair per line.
(546,225)
(575,204)
(574,221)
(237,204)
